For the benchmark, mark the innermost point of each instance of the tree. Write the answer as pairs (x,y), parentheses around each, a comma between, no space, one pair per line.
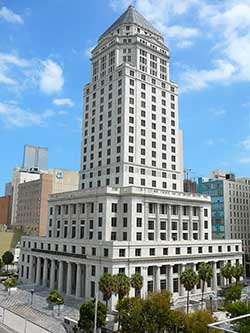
(1,264)
(233,293)
(106,286)
(7,258)
(87,315)
(156,311)
(226,272)
(121,285)
(238,272)
(205,273)
(131,315)
(197,322)
(150,315)
(189,279)
(55,298)
(238,309)
(136,282)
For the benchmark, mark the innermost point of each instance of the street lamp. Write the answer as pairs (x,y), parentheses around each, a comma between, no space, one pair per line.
(58,309)
(211,303)
(31,296)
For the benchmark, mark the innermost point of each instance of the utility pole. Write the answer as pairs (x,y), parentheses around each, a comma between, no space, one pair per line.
(95,319)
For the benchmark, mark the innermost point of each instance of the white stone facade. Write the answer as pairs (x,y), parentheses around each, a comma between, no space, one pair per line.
(129,214)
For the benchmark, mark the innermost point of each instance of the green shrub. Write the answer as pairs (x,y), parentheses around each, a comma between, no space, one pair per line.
(10,282)
(55,298)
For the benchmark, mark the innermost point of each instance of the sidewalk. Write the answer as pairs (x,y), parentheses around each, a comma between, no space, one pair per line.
(19,303)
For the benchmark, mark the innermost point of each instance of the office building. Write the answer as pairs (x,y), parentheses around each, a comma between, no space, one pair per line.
(35,158)
(32,202)
(130,213)
(5,210)
(230,207)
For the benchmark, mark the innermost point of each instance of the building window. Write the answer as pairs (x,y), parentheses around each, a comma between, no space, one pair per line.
(137,252)
(122,252)
(151,252)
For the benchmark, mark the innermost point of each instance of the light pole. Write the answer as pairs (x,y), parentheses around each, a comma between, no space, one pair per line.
(58,309)
(95,318)
(211,303)
(31,296)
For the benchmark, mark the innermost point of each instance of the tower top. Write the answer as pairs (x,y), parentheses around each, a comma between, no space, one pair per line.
(132,16)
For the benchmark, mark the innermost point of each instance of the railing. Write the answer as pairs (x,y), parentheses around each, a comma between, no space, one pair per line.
(19,323)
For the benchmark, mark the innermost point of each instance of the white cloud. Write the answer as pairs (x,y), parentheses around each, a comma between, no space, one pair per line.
(184,44)
(217,112)
(13,115)
(88,51)
(62,113)
(180,32)
(210,142)
(244,160)
(26,74)
(228,23)
(160,13)
(246,143)
(9,16)
(7,62)
(194,79)
(51,77)
(64,102)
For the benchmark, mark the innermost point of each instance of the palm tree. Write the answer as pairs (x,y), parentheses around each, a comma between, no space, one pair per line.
(226,272)
(238,272)
(189,279)
(121,285)
(106,286)
(136,282)
(205,273)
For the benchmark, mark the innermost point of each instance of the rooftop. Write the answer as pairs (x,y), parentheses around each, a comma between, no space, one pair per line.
(131,16)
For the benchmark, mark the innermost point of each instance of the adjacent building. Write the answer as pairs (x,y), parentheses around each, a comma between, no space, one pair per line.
(19,176)
(32,202)
(35,158)
(230,207)
(5,210)
(130,213)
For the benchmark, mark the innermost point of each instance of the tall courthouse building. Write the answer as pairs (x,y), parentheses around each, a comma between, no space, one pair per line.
(130,213)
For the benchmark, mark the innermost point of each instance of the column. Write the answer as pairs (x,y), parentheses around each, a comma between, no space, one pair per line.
(180,222)
(214,278)
(182,289)
(45,272)
(38,270)
(169,227)
(32,270)
(201,225)
(78,280)
(69,279)
(60,276)
(145,224)
(157,286)
(87,281)
(52,274)
(145,281)
(157,229)
(170,278)
(190,223)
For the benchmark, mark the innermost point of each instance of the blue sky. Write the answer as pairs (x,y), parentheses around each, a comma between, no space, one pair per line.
(44,63)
